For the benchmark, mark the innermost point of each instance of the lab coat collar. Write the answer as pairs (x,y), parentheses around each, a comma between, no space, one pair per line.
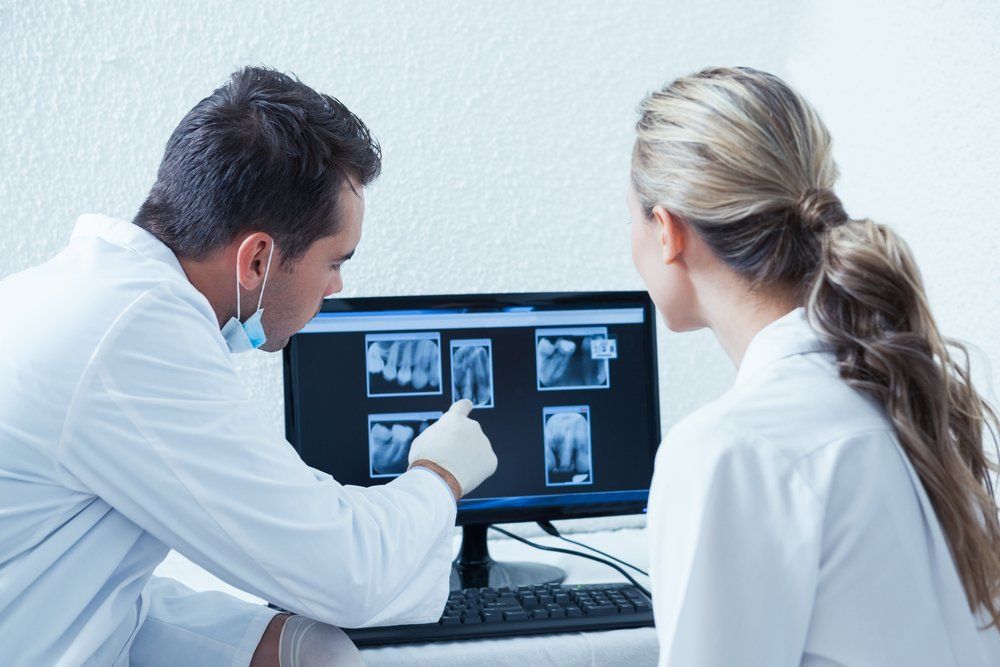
(128,235)
(787,336)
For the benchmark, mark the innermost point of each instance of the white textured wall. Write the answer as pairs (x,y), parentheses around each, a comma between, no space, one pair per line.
(506,128)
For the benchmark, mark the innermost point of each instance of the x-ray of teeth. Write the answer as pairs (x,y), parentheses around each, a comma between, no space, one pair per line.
(403,364)
(390,437)
(472,371)
(564,359)
(567,445)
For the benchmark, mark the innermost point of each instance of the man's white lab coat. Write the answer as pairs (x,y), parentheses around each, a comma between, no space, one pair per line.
(125,432)
(788,528)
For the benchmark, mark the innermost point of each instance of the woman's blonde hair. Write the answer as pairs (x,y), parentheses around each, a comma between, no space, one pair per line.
(746,162)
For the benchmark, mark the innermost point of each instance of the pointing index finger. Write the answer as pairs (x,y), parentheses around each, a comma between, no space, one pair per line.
(461,408)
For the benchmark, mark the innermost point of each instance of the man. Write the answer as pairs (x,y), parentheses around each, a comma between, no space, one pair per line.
(125,431)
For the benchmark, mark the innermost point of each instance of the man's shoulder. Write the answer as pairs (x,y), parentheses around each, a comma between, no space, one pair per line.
(64,308)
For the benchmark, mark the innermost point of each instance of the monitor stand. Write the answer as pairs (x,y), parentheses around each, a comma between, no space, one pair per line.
(475,569)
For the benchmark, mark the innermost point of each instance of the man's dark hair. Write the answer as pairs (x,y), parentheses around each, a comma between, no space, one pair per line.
(264,152)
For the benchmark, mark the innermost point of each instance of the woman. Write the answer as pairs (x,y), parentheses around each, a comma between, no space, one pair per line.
(835,506)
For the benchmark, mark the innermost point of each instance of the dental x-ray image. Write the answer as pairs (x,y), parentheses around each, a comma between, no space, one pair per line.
(389,439)
(472,371)
(565,359)
(403,364)
(567,445)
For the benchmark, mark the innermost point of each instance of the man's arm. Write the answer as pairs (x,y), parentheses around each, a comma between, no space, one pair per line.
(162,430)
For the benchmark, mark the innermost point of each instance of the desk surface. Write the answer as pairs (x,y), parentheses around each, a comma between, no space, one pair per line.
(636,647)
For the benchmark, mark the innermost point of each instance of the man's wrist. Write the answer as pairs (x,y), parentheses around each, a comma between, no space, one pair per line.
(445,476)
(266,654)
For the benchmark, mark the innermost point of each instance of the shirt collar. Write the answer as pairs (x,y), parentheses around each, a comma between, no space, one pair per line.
(787,336)
(125,234)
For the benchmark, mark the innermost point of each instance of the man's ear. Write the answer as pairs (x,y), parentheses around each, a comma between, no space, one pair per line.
(251,257)
(671,234)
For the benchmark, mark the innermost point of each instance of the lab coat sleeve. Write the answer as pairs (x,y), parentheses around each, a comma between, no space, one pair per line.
(734,538)
(186,627)
(161,429)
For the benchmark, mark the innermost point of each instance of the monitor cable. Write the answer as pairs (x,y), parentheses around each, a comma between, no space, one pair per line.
(551,530)
(571,552)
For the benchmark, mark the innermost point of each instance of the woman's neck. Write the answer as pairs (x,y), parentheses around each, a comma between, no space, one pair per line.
(735,317)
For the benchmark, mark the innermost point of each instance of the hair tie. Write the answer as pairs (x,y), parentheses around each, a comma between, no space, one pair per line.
(819,209)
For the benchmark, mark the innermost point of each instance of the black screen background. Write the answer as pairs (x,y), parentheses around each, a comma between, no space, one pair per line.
(332,408)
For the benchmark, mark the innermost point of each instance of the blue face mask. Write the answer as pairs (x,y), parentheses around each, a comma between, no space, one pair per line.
(249,335)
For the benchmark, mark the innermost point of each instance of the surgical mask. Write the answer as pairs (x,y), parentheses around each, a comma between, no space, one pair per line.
(249,335)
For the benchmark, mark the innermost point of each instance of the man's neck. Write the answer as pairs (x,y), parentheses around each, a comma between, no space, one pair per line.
(216,280)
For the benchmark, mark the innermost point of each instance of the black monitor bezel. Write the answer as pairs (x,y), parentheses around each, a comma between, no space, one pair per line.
(489,302)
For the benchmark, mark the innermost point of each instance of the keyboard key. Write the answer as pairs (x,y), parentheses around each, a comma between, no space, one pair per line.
(601,610)
(529,601)
(450,620)
(539,613)
(555,611)
(471,619)
(515,616)
(502,606)
(572,611)
(492,616)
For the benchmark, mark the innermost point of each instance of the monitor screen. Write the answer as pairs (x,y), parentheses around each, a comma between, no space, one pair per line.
(564,385)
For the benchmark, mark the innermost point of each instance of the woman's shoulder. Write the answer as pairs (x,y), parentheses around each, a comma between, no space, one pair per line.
(799,438)
(709,436)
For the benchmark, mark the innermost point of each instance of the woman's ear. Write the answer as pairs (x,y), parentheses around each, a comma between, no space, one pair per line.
(671,234)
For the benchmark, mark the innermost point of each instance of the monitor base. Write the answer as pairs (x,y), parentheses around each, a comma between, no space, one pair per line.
(475,569)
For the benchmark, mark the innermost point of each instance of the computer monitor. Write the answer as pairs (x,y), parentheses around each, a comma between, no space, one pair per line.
(563,384)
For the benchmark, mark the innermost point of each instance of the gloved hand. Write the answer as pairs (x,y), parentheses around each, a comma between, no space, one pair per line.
(457,444)
(308,643)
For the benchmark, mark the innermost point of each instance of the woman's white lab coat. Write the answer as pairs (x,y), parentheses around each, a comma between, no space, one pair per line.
(788,528)
(125,432)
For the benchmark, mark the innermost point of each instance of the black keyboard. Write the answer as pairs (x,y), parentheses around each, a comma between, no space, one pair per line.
(498,612)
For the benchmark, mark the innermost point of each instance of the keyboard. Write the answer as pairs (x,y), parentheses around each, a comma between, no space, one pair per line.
(475,613)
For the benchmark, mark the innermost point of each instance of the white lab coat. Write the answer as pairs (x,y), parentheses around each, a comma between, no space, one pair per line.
(125,432)
(787,527)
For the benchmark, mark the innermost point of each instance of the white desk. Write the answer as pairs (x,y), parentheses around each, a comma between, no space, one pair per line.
(635,647)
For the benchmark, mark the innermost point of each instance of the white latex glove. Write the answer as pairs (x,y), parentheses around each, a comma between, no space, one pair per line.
(457,444)
(308,643)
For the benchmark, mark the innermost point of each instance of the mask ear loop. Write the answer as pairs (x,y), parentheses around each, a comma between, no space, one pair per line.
(238,290)
(267,269)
